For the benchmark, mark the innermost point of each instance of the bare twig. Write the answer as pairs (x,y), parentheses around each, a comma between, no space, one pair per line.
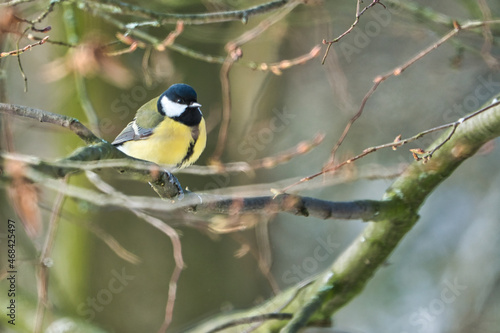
(252,319)
(46,262)
(277,67)
(273,312)
(285,156)
(377,81)
(14,3)
(113,244)
(358,15)
(45,13)
(50,41)
(24,49)
(132,46)
(116,7)
(226,109)
(264,253)
(19,63)
(144,40)
(251,34)
(264,163)
(170,39)
(330,165)
(234,51)
(155,41)
(349,124)
(163,227)
(397,143)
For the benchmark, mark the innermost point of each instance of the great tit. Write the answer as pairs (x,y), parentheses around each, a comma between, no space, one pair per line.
(169,130)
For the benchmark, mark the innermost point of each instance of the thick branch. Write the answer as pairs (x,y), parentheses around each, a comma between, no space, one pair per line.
(294,204)
(48,117)
(201,204)
(162,181)
(349,274)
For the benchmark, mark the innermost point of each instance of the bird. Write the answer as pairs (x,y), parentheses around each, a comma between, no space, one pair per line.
(168,130)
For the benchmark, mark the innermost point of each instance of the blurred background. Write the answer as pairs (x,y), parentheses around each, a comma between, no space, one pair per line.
(443,277)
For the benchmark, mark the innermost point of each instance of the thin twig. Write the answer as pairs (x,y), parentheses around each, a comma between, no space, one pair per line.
(14,3)
(50,41)
(358,15)
(147,39)
(264,254)
(299,288)
(226,110)
(24,49)
(44,14)
(234,54)
(251,34)
(300,149)
(252,319)
(397,143)
(116,7)
(155,41)
(170,39)
(277,67)
(113,244)
(329,166)
(167,230)
(263,163)
(45,260)
(132,47)
(377,81)
(19,63)
(179,264)
(349,124)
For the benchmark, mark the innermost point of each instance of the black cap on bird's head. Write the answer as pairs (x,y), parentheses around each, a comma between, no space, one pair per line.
(181,93)
(176,100)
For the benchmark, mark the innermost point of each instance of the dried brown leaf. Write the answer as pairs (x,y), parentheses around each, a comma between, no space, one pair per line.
(24,197)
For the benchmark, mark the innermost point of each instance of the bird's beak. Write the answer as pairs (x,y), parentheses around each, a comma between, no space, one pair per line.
(195,105)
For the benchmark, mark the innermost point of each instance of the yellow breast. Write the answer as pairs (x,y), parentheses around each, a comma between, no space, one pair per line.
(171,144)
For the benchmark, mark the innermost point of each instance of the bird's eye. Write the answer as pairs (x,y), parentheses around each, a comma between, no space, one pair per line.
(180,101)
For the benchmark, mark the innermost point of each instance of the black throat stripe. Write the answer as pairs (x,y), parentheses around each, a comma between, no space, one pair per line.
(195,132)
(189,153)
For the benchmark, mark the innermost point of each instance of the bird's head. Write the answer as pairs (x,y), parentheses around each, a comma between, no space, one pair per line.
(176,100)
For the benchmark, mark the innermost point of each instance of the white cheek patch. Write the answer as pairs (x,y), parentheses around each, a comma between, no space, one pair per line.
(172,109)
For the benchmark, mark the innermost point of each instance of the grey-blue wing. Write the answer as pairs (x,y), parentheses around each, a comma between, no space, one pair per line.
(132,132)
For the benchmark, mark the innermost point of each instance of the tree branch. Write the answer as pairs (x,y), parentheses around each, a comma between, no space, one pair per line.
(352,270)
(122,8)
(330,165)
(206,203)
(162,181)
(53,118)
